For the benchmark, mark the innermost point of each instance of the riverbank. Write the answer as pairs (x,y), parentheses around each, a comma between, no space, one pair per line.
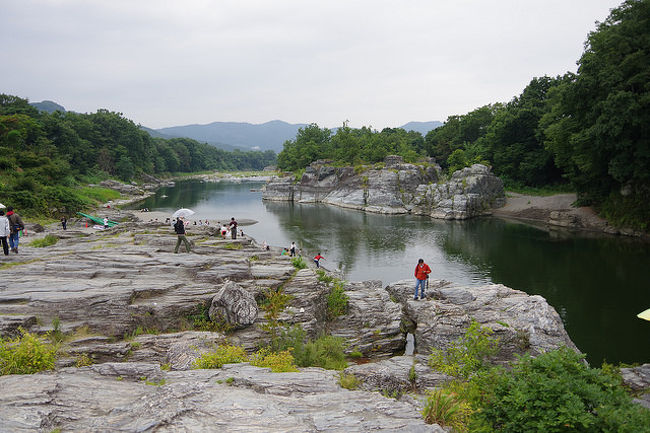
(558,211)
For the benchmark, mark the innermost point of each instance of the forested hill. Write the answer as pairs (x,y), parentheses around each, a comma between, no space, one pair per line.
(266,136)
(47,159)
(587,131)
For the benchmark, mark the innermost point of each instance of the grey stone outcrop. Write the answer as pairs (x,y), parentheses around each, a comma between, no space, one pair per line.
(523,323)
(138,397)
(395,188)
(234,306)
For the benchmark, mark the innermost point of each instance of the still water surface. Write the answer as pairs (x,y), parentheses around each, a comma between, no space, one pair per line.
(597,283)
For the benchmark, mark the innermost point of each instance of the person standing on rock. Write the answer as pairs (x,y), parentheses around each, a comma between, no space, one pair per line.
(4,232)
(233,228)
(179,228)
(422,271)
(317,260)
(15,226)
(292,249)
(64,222)
(105,222)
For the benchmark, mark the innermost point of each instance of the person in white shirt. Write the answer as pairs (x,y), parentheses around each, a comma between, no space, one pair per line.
(4,232)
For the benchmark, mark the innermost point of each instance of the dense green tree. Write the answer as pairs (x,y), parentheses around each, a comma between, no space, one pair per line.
(44,157)
(458,132)
(514,142)
(598,127)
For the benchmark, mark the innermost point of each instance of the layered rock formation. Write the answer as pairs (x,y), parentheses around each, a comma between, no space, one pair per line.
(130,305)
(394,188)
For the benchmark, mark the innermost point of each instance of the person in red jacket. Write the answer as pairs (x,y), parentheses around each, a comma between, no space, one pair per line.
(422,271)
(317,259)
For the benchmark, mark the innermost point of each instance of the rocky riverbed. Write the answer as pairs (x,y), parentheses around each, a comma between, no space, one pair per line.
(125,302)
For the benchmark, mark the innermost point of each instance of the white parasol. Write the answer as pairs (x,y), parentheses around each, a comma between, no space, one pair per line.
(2,206)
(183,213)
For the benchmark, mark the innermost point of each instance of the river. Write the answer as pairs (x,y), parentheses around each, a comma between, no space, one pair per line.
(597,283)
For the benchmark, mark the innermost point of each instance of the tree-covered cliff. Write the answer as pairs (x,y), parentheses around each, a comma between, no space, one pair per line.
(45,158)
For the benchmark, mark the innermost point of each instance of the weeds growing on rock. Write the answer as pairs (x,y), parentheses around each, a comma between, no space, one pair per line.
(337,301)
(278,362)
(83,360)
(46,241)
(298,262)
(446,410)
(26,354)
(223,354)
(348,381)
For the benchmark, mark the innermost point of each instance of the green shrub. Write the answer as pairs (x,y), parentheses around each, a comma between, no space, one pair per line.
(337,301)
(46,241)
(557,392)
(447,410)
(83,360)
(223,354)
(356,354)
(278,362)
(323,277)
(232,246)
(298,262)
(26,354)
(325,352)
(348,381)
(467,354)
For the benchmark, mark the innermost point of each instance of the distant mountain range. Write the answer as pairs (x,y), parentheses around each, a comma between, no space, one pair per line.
(266,136)
(239,135)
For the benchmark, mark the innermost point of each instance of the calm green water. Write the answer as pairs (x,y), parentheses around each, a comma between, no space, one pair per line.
(597,283)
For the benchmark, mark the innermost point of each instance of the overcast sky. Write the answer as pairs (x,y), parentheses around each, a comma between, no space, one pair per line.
(375,63)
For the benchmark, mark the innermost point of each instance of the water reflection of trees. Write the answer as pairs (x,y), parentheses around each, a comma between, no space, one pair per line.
(599,283)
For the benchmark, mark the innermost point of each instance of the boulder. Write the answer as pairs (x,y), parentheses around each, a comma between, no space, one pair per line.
(372,322)
(233,305)
(638,380)
(523,323)
(397,375)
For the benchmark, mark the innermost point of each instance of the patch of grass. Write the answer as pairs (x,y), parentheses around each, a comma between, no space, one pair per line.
(355,354)
(14,264)
(326,352)
(348,381)
(200,321)
(161,382)
(165,367)
(337,301)
(56,336)
(223,354)
(98,194)
(233,246)
(278,362)
(298,262)
(542,191)
(446,410)
(26,354)
(230,380)
(323,277)
(83,360)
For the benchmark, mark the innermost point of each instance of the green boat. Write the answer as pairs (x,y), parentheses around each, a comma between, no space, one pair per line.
(98,220)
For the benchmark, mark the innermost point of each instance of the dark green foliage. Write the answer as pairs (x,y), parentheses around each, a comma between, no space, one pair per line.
(45,157)
(459,133)
(598,126)
(557,392)
(349,146)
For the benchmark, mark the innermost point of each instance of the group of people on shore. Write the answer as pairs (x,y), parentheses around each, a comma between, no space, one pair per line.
(181,223)
(11,226)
